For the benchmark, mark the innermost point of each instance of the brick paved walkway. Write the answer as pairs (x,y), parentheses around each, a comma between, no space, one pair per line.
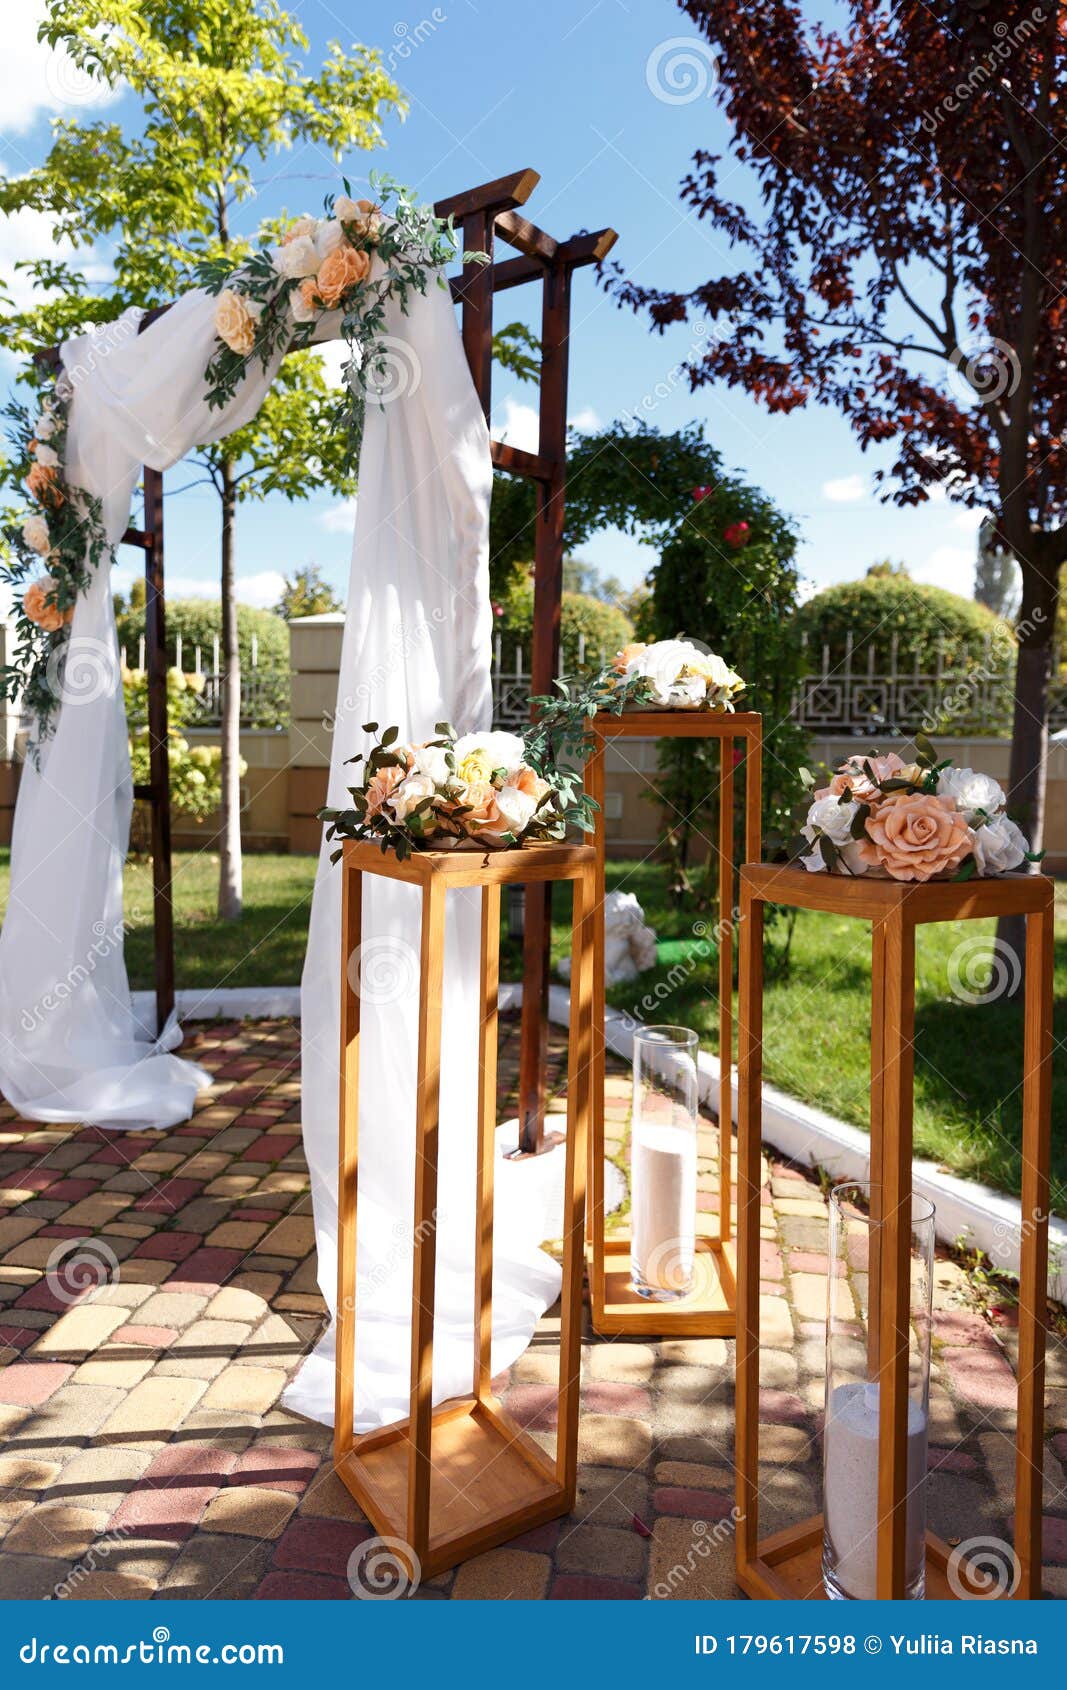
(142,1451)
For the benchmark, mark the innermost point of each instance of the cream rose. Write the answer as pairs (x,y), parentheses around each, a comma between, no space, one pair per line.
(516,807)
(235,321)
(297,259)
(45,426)
(408,794)
(46,456)
(431,760)
(300,226)
(328,237)
(35,533)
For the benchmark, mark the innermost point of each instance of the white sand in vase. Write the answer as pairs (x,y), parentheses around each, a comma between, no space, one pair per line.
(850,1494)
(664,1198)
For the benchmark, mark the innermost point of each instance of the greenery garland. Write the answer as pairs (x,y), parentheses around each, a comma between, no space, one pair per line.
(51,552)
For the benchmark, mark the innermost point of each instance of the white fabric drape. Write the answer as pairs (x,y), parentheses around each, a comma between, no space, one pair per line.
(416,651)
(71,1047)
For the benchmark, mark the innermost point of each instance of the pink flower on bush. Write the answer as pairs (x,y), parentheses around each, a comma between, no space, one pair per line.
(736,535)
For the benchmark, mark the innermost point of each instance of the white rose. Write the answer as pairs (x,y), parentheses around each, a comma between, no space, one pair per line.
(849,853)
(300,309)
(660,664)
(409,793)
(35,533)
(502,750)
(297,259)
(516,807)
(430,760)
(972,791)
(45,426)
(688,689)
(328,237)
(47,457)
(831,817)
(305,225)
(999,845)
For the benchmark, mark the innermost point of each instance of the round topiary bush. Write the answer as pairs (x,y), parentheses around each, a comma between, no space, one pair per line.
(604,628)
(922,630)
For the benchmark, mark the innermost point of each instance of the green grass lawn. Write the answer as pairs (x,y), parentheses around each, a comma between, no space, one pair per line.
(817,1017)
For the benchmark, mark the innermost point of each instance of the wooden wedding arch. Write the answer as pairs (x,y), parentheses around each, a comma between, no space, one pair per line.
(484,215)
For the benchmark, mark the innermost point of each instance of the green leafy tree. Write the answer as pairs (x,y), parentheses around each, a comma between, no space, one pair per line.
(727,577)
(306,593)
(195,770)
(223,91)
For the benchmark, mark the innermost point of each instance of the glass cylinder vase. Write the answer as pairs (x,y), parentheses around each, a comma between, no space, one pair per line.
(663,1163)
(851,1426)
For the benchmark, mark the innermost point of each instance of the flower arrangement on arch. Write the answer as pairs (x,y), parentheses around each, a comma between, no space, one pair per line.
(51,549)
(454,792)
(923,820)
(360,254)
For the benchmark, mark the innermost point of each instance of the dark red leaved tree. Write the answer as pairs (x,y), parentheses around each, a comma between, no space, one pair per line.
(906,265)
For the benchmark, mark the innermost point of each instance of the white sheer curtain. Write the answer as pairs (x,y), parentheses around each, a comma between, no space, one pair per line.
(71,1047)
(416,651)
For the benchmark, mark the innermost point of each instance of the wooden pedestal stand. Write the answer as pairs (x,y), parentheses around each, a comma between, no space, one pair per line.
(708,1310)
(453,1481)
(789,1563)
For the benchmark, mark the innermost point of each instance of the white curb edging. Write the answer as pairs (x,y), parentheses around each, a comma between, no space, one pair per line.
(985,1219)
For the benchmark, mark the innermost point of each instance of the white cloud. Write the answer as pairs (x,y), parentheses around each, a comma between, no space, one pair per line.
(848,490)
(519,427)
(969,519)
(35,80)
(262,590)
(948,566)
(338,518)
(586,420)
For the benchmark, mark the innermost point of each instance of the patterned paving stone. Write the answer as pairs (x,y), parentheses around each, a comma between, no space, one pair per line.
(145,1412)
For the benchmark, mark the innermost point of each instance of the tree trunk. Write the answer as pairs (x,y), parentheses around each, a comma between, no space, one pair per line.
(1027,779)
(230,878)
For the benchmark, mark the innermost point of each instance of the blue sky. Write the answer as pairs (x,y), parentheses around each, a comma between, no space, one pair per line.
(571,88)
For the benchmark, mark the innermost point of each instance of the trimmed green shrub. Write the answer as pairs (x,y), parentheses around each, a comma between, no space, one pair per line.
(197,622)
(604,626)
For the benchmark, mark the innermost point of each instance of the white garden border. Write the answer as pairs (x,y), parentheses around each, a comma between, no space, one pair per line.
(985,1219)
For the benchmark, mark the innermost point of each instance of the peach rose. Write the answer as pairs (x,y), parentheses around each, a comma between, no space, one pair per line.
(916,836)
(530,783)
(483,814)
(851,777)
(43,484)
(627,655)
(340,271)
(381,785)
(41,608)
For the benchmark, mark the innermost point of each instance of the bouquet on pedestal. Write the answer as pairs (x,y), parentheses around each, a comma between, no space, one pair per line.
(457,791)
(923,820)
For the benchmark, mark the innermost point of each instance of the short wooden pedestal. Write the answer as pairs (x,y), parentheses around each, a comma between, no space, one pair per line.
(708,1310)
(453,1481)
(789,1564)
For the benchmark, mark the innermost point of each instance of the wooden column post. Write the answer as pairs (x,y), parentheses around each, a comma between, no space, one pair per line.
(158,747)
(548,594)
